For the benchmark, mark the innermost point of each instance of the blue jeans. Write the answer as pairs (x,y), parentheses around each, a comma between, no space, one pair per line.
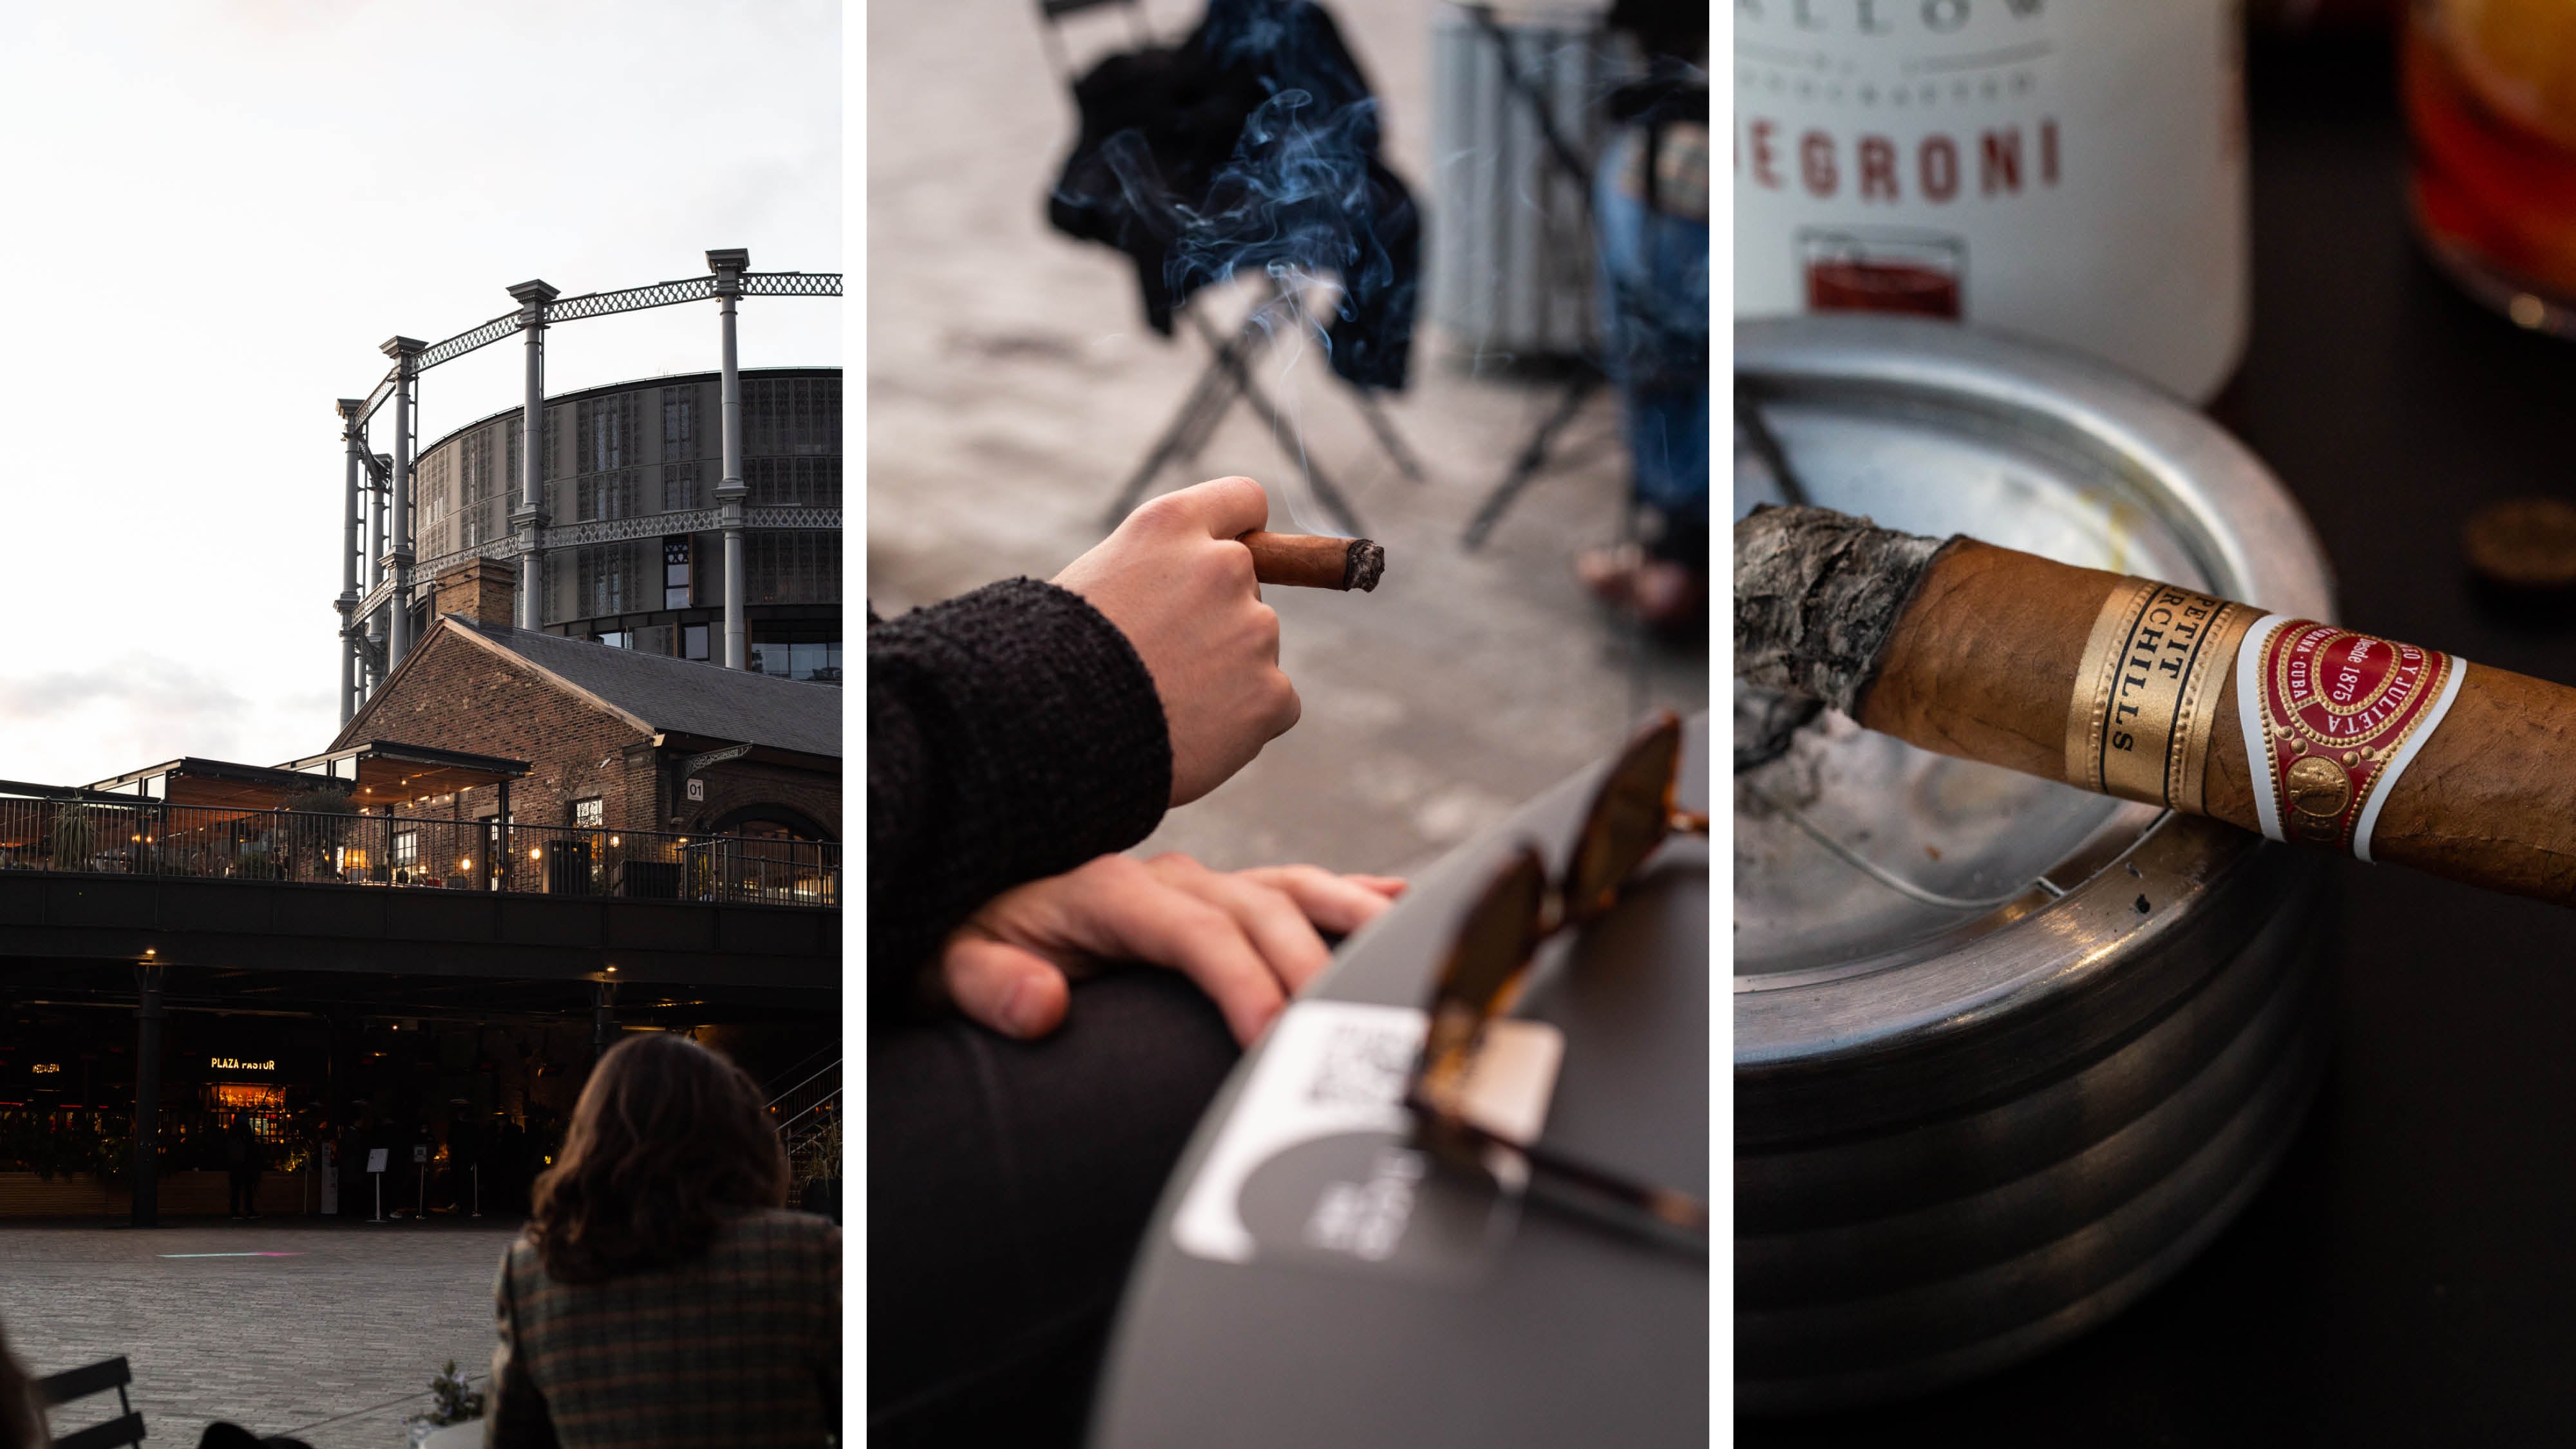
(1654,309)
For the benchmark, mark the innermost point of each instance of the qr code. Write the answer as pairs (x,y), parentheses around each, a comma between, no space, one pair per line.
(1367,1219)
(1362,1066)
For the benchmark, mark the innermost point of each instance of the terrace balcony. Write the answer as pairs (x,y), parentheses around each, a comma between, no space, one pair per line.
(92,876)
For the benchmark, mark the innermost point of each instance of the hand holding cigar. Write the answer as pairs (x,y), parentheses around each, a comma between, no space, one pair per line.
(2296,728)
(1315,561)
(1170,577)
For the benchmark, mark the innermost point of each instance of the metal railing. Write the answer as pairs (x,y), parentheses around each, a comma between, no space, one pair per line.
(148,838)
(598,304)
(807,1118)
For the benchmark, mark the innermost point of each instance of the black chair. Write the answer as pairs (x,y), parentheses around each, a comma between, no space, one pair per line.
(568,869)
(126,1429)
(649,880)
(1228,375)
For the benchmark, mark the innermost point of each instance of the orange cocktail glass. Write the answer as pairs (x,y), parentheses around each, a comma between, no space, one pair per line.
(2490,92)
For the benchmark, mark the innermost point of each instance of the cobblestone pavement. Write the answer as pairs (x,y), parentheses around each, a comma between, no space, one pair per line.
(1012,384)
(356,1318)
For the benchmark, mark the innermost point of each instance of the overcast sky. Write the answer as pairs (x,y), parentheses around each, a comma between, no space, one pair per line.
(218,210)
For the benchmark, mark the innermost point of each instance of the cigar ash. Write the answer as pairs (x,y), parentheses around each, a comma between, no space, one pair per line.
(1364,565)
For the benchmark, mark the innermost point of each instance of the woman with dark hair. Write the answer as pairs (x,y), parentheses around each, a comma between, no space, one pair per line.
(661,1295)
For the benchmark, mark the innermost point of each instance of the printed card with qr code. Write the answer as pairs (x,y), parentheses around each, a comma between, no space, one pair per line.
(1315,1164)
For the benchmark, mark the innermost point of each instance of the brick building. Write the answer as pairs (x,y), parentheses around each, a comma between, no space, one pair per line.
(617,738)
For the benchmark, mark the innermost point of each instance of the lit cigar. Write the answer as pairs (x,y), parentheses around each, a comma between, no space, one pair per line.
(1315,561)
(2299,729)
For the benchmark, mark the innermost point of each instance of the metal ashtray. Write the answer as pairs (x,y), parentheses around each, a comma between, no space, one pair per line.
(2006,1054)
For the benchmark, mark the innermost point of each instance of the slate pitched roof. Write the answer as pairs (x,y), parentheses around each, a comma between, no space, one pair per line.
(680,696)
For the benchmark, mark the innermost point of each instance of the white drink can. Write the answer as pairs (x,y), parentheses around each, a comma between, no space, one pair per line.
(2069,170)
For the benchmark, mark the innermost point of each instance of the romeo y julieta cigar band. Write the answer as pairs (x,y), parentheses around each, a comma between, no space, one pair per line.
(2147,691)
(2331,719)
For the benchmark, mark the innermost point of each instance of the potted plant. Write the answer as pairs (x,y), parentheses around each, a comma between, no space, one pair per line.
(73,838)
(452,1404)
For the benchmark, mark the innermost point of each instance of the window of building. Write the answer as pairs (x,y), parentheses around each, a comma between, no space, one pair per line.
(679,423)
(814,663)
(589,814)
(604,495)
(474,464)
(478,483)
(604,581)
(676,554)
(782,567)
(683,486)
(793,416)
(406,847)
(614,639)
(606,427)
(820,663)
(693,641)
(810,482)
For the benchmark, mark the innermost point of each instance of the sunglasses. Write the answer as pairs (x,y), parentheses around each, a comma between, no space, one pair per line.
(1490,962)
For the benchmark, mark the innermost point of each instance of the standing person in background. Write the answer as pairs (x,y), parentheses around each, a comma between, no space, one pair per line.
(417,1150)
(661,1293)
(510,1166)
(1650,216)
(241,1160)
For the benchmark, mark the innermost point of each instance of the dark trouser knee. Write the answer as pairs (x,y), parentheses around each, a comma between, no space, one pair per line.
(1008,1186)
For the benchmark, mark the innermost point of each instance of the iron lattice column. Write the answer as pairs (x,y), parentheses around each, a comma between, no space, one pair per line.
(729,265)
(376,536)
(352,409)
(147,1095)
(405,352)
(373,626)
(528,520)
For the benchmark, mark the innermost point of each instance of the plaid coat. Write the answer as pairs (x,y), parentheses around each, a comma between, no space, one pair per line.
(740,1347)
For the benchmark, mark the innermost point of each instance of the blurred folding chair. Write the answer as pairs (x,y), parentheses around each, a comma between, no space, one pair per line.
(1228,374)
(126,1429)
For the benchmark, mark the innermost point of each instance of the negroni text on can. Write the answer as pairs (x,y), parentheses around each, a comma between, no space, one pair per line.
(2072,170)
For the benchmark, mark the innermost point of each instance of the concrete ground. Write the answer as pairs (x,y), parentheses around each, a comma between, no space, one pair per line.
(334,1343)
(1012,384)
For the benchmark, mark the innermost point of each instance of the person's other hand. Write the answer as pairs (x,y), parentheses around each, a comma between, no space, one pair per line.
(1178,585)
(1247,938)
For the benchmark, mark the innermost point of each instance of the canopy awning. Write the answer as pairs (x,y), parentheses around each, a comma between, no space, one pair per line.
(378,773)
(211,784)
(384,772)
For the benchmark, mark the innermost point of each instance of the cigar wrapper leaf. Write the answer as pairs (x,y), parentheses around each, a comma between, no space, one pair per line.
(1315,561)
(1991,654)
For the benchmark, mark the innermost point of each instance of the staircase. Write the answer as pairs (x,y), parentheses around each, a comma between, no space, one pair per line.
(807,1118)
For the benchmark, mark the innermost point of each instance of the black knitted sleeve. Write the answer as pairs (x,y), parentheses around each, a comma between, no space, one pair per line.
(1013,733)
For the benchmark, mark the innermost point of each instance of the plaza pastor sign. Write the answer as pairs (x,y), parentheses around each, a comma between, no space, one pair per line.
(235,1064)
